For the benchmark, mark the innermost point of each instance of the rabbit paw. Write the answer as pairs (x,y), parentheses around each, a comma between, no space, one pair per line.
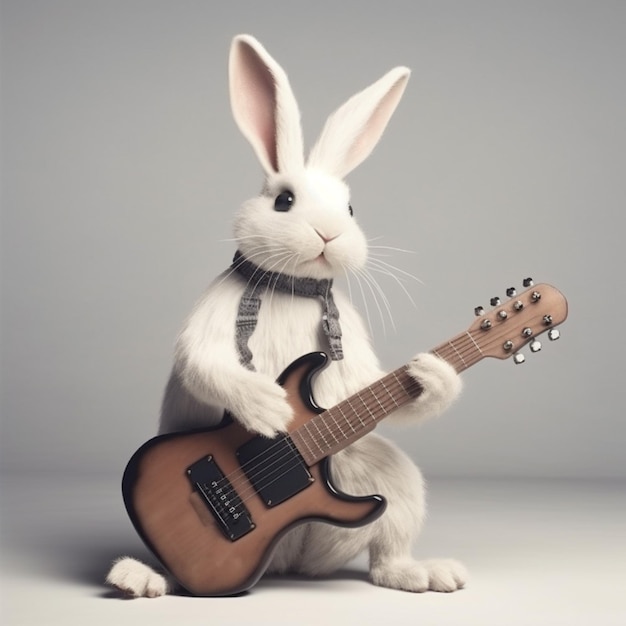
(445,575)
(136,580)
(418,576)
(263,409)
(405,575)
(440,383)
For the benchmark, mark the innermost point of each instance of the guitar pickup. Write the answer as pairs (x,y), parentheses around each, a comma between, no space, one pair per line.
(222,500)
(275,468)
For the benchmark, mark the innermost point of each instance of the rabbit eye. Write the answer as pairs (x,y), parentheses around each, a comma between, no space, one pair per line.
(350,209)
(284,201)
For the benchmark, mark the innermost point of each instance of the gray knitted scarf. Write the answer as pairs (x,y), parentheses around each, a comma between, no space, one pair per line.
(250,303)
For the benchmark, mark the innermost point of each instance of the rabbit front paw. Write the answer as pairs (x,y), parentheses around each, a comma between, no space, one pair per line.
(262,408)
(440,383)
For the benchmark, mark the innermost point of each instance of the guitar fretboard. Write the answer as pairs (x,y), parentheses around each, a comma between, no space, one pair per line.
(338,427)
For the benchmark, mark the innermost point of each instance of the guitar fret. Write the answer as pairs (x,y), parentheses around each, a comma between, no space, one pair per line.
(314,421)
(322,418)
(474,342)
(337,424)
(461,351)
(457,352)
(395,375)
(382,382)
(340,409)
(358,415)
(303,439)
(358,395)
(313,439)
(377,400)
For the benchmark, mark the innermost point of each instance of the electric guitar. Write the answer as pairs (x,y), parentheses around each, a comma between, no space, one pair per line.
(212,504)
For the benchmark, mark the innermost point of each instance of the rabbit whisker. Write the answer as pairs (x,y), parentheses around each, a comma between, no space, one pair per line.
(392,248)
(286,260)
(386,272)
(258,251)
(367,312)
(378,293)
(389,266)
(349,285)
(383,296)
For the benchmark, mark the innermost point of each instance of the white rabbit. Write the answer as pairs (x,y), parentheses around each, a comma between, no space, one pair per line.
(302,226)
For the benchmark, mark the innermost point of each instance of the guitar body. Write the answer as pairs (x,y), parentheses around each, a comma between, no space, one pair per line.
(213,504)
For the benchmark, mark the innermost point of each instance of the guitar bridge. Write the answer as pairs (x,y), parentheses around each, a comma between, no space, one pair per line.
(220,497)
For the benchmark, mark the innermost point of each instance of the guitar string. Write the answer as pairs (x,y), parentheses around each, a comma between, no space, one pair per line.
(248,466)
(238,475)
(452,350)
(448,351)
(289,454)
(470,348)
(290,462)
(293,461)
(329,429)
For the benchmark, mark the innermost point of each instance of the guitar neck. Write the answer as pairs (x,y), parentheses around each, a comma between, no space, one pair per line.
(499,334)
(334,429)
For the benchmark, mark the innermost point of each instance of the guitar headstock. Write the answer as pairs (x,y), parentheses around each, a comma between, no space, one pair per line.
(511,325)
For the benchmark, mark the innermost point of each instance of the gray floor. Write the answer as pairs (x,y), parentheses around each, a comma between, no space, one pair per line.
(539,552)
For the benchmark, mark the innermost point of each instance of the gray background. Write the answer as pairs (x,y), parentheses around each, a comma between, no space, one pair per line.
(121,172)
(122,169)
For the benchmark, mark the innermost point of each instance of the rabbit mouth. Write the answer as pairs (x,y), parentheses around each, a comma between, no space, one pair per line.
(316,265)
(320,258)
(325,264)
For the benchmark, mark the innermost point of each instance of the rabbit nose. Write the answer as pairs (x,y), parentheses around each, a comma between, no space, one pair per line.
(324,238)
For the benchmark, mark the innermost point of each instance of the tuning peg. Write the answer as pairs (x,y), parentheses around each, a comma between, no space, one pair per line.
(535,346)
(528,282)
(554,334)
(478,311)
(519,358)
(495,301)
(511,291)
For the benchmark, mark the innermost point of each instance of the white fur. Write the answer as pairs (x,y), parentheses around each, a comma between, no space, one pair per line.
(136,579)
(316,238)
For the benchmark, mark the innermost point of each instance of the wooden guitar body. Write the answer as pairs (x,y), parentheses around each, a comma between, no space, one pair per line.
(181,525)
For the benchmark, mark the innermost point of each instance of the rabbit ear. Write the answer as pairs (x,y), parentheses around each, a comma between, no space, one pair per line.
(264,106)
(353,130)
